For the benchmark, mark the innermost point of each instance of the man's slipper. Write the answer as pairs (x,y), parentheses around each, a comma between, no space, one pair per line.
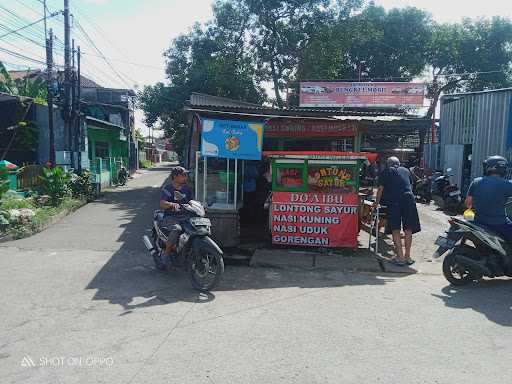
(398,263)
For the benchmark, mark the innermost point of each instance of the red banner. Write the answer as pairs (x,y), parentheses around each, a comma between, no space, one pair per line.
(338,94)
(309,128)
(315,219)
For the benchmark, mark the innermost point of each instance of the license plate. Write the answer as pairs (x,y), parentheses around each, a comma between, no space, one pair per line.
(445,242)
(200,221)
(455,193)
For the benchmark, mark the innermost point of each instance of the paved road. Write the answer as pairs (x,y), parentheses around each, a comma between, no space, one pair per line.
(82,302)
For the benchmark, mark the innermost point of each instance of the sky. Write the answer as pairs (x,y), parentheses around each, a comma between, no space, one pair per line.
(132,34)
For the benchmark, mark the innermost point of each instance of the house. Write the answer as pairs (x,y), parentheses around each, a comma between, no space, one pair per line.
(102,109)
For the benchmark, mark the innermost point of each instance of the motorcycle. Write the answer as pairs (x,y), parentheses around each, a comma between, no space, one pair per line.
(122,175)
(196,252)
(445,194)
(486,257)
(423,189)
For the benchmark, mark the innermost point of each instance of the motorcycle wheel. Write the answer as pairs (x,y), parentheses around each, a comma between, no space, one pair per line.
(456,274)
(156,255)
(205,270)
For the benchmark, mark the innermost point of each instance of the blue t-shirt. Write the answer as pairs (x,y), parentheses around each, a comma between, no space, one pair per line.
(396,182)
(490,193)
(169,195)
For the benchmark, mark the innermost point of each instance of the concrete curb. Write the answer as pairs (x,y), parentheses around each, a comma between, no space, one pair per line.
(311,261)
(53,220)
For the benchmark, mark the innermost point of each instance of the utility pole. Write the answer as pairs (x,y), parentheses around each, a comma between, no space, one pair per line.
(72,120)
(67,79)
(49,79)
(78,131)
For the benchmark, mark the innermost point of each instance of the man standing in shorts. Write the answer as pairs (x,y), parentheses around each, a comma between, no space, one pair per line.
(396,182)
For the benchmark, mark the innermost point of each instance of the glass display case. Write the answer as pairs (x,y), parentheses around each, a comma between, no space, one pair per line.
(218,182)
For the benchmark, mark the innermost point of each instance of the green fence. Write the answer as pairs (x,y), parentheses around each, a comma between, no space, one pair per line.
(106,170)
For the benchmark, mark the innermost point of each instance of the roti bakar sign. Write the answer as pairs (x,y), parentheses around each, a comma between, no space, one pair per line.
(315,219)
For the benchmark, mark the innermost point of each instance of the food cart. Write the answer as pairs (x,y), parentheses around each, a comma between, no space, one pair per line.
(315,201)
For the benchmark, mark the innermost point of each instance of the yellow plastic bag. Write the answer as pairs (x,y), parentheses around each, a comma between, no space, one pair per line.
(469,215)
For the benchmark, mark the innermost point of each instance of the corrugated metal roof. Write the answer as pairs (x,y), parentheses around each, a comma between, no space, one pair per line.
(450,95)
(222,104)
(102,122)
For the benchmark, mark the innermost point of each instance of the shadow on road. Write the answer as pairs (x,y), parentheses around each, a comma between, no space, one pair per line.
(130,279)
(492,298)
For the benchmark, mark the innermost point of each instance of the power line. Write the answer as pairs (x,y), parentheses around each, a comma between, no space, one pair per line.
(102,55)
(29,7)
(21,56)
(10,31)
(98,29)
(128,62)
(19,22)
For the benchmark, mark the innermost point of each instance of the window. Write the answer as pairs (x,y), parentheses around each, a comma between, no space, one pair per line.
(344,145)
(102,149)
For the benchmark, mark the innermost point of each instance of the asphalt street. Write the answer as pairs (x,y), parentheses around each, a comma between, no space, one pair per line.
(82,303)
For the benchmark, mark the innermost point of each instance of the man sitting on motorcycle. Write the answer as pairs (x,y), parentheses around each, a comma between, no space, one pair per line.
(488,195)
(172,195)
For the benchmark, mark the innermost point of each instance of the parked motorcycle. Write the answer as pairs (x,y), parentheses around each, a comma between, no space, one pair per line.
(196,252)
(423,190)
(122,175)
(486,255)
(445,194)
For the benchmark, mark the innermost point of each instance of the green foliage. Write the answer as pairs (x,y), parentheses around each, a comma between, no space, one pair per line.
(139,137)
(81,186)
(4,182)
(145,164)
(33,87)
(253,42)
(16,203)
(41,217)
(470,56)
(213,59)
(54,183)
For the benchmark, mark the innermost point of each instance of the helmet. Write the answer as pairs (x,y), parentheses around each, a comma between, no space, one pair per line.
(177,171)
(495,165)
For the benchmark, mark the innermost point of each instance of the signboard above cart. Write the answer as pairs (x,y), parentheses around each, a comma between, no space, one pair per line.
(360,94)
(321,155)
(231,139)
(310,128)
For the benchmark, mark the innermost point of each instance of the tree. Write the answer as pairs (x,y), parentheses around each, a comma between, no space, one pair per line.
(469,56)
(375,44)
(34,88)
(209,59)
(280,30)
